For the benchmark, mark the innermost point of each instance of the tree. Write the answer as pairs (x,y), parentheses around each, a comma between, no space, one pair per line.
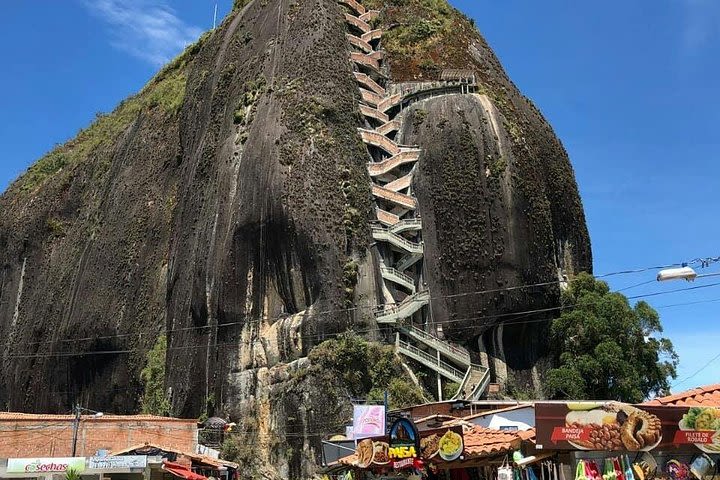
(606,349)
(154,401)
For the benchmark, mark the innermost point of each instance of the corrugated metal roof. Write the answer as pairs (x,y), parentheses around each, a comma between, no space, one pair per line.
(194,456)
(707,396)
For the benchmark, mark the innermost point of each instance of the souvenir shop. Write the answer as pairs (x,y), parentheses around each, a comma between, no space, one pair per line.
(616,441)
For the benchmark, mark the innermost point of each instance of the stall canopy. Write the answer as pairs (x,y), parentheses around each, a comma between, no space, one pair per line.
(181,471)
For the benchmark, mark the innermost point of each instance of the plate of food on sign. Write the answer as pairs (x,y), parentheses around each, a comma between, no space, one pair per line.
(365,452)
(451,446)
(614,426)
(372,453)
(381,455)
(430,445)
(705,420)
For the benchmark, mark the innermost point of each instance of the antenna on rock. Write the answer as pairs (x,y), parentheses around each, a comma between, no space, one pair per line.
(215,16)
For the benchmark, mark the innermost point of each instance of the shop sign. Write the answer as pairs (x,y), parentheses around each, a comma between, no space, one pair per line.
(45,465)
(368,421)
(405,448)
(404,440)
(613,426)
(448,444)
(117,462)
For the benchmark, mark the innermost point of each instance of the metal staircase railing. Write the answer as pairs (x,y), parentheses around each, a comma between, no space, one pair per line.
(405,225)
(458,354)
(474,384)
(443,368)
(384,234)
(405,309)
(398,277)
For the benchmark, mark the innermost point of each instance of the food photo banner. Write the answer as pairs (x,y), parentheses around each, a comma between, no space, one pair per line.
(406,448)
(613,426)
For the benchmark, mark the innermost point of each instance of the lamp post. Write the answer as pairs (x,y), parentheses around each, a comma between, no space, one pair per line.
(76,423)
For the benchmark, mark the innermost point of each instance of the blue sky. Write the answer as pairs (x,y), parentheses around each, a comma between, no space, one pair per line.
(630,88)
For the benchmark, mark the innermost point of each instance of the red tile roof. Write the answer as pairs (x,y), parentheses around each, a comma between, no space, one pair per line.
(708,396)
(484,442)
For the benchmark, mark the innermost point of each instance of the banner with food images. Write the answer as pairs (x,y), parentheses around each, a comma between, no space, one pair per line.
(614,426)
(400,450)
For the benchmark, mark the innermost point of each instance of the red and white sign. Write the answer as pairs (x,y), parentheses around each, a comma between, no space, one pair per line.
(572,434)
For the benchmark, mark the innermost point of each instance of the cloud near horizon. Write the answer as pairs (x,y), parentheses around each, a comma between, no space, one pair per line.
(146,29)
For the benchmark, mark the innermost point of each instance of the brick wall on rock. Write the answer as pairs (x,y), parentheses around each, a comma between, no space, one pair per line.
(24,435)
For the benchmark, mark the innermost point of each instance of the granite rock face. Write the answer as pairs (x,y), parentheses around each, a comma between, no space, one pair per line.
(228,204)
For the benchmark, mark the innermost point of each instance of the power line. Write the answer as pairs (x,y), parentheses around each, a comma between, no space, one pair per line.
(329,336)
(359,307)
(712,360)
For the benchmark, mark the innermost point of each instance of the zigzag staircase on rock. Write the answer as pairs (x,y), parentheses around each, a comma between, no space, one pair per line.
(398,229)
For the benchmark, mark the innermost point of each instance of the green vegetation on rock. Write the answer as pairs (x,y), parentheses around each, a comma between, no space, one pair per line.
(450,389)
(367,369)
(422,36)
(607,349)
(154,401)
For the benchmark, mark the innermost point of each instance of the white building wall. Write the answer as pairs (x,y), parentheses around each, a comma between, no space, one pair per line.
(522,418)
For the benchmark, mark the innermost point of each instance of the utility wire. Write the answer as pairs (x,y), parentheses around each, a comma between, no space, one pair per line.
(329,336)
(358,307)
(694,374)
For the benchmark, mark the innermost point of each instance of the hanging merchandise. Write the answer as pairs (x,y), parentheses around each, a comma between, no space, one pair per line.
(609,470)
(619,471)
(677,470)
(627,467)
(580,471)
(702,466)
(638,472)
(531,474)
(505,471)
(592,471)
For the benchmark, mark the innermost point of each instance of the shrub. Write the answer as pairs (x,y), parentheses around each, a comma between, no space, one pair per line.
(154,401)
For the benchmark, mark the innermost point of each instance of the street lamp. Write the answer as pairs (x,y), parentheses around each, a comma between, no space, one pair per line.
(76,423)
(682,273)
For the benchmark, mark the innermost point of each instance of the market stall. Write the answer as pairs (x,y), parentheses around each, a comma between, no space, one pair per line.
(617,441)
(456,451)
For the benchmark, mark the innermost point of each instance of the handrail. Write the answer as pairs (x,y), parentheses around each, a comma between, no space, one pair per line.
(406,201)
(437,341)
(407,243)
(386,217)
(397,273)
(388,164)
(482,384)
(413,222)
(423,296)
(478,388)
(431,361)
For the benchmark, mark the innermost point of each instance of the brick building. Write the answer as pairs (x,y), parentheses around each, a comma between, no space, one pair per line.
(30,435)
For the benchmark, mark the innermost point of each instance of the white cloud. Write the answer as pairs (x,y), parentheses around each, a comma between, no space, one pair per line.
(702,22)
(147,29)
